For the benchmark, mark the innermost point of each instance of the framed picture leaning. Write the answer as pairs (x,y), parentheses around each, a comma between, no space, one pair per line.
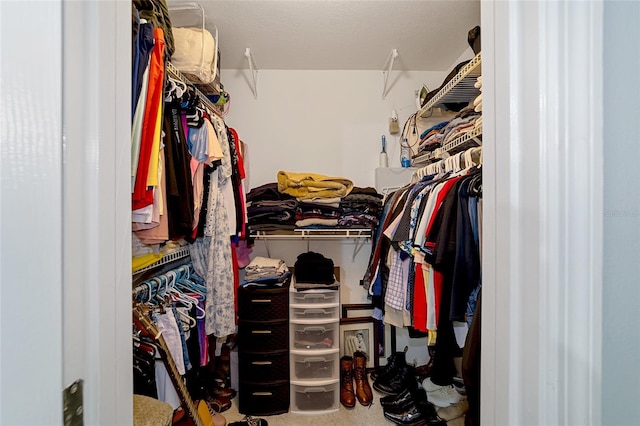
(359,334)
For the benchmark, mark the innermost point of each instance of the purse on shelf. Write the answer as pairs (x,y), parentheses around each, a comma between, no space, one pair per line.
(474,39)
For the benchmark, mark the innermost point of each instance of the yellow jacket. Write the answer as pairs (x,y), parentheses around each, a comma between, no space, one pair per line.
(304,186)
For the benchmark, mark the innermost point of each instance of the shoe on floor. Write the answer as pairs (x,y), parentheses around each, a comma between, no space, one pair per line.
(250,421)
(429,386)
(458,384)
(444,396)
(454,411)
(218,419)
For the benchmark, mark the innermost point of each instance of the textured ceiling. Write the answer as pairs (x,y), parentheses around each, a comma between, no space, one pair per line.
(429,35)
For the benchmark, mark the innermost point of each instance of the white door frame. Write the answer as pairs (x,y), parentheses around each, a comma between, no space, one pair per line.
(97,198)
(542,254)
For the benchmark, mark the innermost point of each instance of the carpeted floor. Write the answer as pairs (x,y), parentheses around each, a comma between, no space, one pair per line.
(357,416)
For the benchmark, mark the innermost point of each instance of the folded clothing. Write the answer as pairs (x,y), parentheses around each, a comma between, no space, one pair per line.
(299,286)
(316,223)
(312,185)
(268,191)
(275,281)
(311,267)
(264,267)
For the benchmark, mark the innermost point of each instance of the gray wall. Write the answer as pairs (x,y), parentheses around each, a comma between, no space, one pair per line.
(621,285)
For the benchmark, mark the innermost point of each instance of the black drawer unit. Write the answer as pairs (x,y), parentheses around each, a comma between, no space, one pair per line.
(263,351)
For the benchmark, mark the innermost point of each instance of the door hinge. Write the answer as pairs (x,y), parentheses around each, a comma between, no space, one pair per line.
(72,404)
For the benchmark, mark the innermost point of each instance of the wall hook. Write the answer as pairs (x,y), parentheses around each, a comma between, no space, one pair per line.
(254,72)
(388,66)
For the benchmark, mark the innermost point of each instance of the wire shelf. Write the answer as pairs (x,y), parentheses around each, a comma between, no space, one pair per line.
(459,89)
(177,254)
(326,234)
(466,140)
(175,72)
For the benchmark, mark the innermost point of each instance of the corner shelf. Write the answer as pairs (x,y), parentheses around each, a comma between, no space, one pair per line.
(459,89)
(359,236)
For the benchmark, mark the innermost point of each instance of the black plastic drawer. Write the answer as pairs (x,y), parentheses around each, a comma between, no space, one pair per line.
(263,399)
(263,304)
(263,336)
(263,367)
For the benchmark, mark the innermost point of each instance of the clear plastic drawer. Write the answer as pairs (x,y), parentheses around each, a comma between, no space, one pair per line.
(315,398)
(314,336)
(315,312)
(314,297)
(315,365)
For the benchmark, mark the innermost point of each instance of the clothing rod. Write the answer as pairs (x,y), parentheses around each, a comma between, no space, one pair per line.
(145,287)
(439,165)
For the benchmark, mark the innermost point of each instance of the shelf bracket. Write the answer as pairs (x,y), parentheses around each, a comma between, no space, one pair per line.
(266,246)
(254,72)
(359,243)
(388,66)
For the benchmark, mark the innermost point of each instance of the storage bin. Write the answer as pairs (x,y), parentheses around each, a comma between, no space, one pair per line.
(314,336)
(315,312)
(263,336)
(264,399)
(315,297)
(319,397)
(263,304)
(197,50)
(266,366)
(315,365)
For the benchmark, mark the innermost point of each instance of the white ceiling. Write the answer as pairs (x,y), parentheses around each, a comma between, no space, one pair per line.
(429,35)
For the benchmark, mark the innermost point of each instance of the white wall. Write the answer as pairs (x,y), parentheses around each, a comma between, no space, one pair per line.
(327,122)
(620,341)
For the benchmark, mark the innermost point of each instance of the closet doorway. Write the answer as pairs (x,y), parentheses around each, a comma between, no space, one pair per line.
(97,295)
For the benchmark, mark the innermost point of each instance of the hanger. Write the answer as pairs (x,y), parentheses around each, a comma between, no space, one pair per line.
(185,318)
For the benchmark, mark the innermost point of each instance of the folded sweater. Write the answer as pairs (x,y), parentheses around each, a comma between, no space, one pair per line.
(311,185)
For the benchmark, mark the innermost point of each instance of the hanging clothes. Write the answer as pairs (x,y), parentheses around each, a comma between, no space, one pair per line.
(212,259)
(424,270)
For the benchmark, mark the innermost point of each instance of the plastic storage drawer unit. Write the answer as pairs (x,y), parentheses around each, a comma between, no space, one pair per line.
(315,365)
(318,398)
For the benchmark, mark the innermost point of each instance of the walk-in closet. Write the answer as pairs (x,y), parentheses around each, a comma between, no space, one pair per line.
(289,277)
(241,213)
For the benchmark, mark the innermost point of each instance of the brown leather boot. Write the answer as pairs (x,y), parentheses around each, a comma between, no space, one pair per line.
(347,396)
(363,390)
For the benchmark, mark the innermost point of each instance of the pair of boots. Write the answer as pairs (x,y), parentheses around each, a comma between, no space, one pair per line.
(394,377)
(424,371)
(354,369)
